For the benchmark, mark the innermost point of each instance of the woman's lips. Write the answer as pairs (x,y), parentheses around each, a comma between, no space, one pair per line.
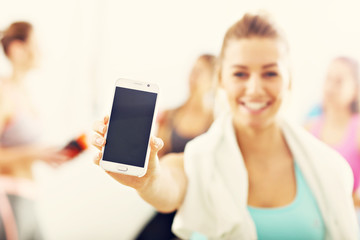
(255,107)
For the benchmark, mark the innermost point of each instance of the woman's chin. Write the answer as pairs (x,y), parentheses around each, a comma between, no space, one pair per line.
(254,122)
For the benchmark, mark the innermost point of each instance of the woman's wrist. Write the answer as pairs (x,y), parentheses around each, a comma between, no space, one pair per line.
(150,183)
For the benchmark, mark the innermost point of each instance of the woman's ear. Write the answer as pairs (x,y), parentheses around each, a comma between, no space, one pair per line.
(218,77)
(287,77)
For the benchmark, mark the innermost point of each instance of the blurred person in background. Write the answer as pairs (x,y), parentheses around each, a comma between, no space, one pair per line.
(338,124)
(19,135)
(180,125)
(253,174)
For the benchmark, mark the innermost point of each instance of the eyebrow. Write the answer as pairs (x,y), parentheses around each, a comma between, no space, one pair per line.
(240,66)
(269,65)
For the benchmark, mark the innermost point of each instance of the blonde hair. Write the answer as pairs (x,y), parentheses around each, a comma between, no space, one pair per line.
(253,25)
(209,59)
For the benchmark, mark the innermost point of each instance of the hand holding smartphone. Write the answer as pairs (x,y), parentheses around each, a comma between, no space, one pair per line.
(129,129)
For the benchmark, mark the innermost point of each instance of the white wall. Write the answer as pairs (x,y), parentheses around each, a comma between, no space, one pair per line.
(159,40)
(86,45)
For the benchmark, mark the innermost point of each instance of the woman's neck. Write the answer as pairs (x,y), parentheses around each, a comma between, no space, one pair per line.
(18,74)
(195,103)
(259,143)
(337,115)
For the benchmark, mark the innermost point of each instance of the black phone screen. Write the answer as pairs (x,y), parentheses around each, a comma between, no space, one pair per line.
(129,126)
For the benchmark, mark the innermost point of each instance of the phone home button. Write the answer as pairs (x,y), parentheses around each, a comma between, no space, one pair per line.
(122,169)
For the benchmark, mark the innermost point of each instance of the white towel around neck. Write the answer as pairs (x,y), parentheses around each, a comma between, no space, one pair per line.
(215,204)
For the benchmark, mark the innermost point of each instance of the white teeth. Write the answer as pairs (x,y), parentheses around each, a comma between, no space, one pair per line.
(255,105)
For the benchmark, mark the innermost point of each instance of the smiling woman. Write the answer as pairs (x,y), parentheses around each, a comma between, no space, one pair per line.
(253,175)
(255,85)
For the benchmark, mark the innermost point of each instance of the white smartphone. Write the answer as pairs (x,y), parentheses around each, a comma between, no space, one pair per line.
(132,116)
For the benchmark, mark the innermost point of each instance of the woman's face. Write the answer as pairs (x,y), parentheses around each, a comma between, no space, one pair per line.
(340,86)
(33,52)
(25,54)
(255,78)
(200,79)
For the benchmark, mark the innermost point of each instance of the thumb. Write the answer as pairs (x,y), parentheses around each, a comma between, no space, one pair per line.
(156,144)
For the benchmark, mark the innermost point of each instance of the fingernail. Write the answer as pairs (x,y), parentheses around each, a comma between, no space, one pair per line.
(102,129)
(99,141)
(157,142)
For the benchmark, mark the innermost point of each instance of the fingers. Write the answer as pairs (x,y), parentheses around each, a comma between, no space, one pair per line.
(100,128)
(98,142)
(156,144)
(98,158)
(106,119)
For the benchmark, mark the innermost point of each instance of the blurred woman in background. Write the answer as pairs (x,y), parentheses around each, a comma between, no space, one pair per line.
(180,125)
(19,133)
(339,124)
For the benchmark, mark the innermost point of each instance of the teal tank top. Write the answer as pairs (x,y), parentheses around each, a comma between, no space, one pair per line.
(301,219)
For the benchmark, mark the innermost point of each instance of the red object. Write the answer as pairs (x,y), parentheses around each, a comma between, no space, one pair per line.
(76,146)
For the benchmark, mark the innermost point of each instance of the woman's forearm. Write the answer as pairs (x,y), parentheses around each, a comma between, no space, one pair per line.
(17,154)
(165,191)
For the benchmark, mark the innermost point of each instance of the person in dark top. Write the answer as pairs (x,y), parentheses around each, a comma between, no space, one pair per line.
(180,125)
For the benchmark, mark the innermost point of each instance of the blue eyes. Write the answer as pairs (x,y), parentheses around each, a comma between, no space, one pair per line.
(270,74)
(264,75)
(240,74)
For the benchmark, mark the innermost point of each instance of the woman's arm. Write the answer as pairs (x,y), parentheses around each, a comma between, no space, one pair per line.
(164,184)
(17,154)
(167,190)
(28,153)
(23,154)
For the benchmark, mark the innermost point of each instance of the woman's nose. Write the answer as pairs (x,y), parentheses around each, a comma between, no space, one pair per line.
(254,85)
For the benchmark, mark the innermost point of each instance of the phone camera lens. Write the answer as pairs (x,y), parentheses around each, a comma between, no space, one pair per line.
(148,85)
